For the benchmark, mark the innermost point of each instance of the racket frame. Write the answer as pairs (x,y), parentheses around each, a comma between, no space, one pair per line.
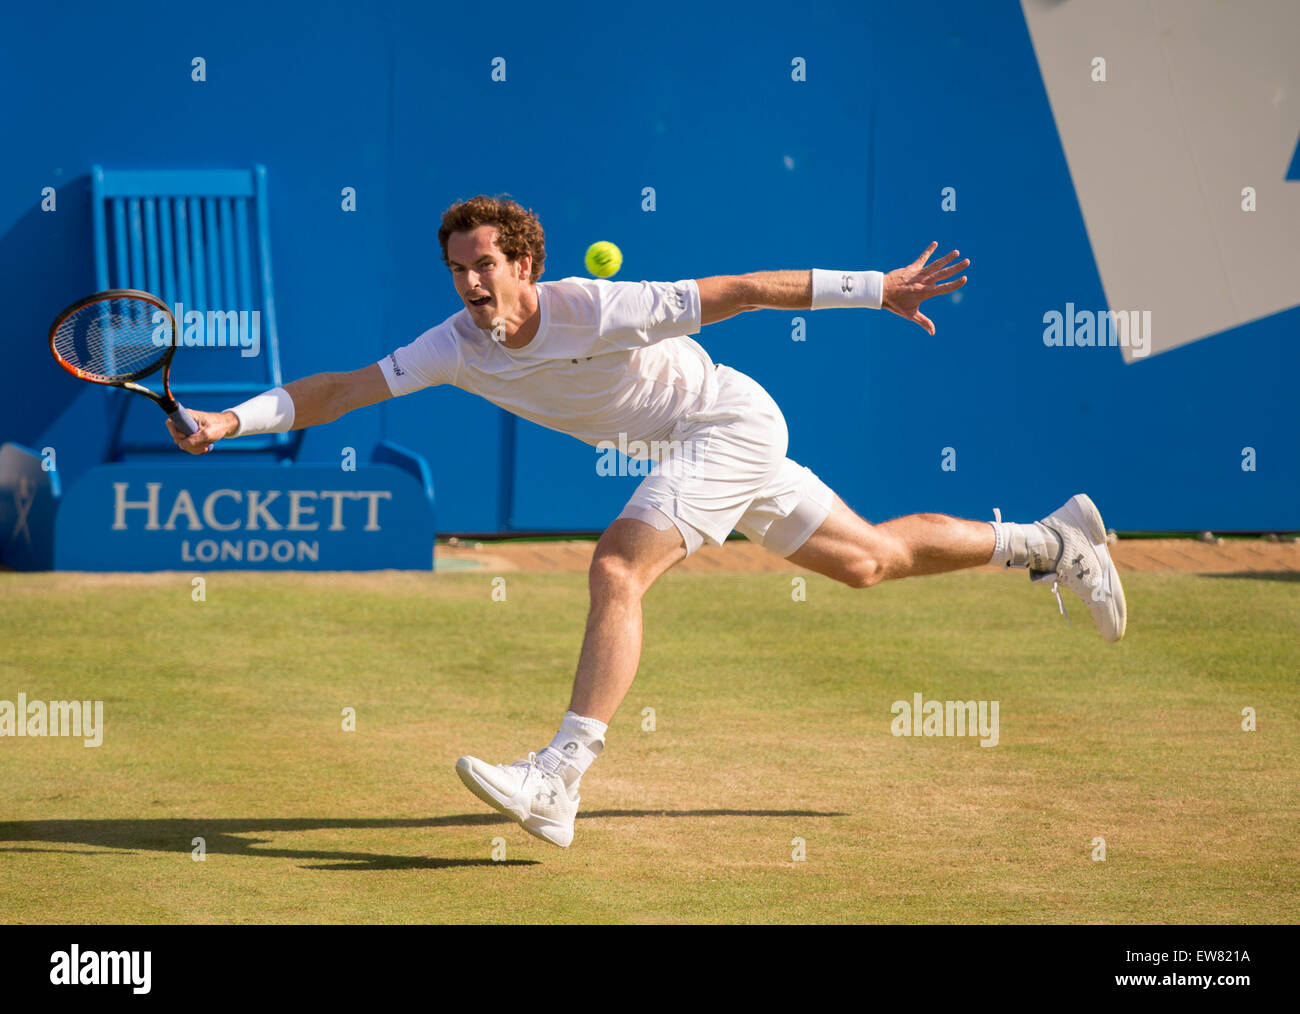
(165,401)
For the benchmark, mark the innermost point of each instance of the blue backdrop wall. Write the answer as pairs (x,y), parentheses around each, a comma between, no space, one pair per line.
(751,170)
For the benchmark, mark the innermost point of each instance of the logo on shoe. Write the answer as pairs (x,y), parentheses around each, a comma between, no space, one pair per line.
(1099,585)
(545,797)
(571,748)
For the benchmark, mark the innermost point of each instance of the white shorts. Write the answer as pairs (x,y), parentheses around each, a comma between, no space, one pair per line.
(728,470)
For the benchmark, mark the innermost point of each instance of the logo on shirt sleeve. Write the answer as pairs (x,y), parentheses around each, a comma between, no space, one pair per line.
(397,370)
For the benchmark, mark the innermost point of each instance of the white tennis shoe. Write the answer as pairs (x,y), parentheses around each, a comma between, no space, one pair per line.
(526,792)
(1085,566)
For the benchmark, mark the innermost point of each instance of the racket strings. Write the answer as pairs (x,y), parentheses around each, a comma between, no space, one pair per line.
(114,340)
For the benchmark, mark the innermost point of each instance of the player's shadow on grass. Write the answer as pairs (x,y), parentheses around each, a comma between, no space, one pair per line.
(225,836)
(709,813)
(1262,575)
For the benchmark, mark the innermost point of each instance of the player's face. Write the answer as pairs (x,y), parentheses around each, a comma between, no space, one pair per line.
(479,269)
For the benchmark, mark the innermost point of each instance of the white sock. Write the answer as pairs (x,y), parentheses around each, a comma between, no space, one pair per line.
(1034,545)
(574,748)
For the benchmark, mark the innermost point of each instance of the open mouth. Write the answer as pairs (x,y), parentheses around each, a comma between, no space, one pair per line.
(481,301)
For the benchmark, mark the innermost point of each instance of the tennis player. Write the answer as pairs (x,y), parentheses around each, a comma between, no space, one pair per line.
(601,360)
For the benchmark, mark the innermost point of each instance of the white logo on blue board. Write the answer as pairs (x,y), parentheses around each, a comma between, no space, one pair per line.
(24,496)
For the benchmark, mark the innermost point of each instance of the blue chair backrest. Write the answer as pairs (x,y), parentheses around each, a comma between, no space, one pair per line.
(198,237)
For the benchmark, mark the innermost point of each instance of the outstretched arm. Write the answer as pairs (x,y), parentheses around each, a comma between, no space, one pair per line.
(314,400)
(724,296)
(904,289)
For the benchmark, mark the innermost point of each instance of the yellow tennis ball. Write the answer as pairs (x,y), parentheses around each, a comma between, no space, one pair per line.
(604,259)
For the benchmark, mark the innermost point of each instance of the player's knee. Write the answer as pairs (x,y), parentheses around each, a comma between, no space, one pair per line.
(863,572)
(613,576)
(881,557)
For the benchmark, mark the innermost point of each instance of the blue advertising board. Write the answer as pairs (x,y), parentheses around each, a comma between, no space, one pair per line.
(147,517)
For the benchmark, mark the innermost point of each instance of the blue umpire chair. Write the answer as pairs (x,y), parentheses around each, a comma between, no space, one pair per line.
(198,237)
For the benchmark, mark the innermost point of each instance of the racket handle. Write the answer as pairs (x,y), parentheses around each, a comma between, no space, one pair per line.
(185,423)
(183,420)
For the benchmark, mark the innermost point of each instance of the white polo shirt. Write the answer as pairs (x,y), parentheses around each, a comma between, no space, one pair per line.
(609,358)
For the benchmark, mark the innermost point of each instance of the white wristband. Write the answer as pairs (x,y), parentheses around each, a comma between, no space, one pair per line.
(270,412)
(847,288)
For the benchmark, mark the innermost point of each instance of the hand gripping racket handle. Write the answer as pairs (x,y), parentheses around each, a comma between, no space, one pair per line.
(185,423)
(183,420)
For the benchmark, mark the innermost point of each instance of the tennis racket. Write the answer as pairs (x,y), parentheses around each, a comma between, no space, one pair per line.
(118,337)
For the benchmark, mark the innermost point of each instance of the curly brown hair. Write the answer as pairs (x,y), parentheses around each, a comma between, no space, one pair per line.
(519,231)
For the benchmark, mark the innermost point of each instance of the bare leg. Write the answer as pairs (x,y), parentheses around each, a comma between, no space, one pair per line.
(860,554)
(629,558)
